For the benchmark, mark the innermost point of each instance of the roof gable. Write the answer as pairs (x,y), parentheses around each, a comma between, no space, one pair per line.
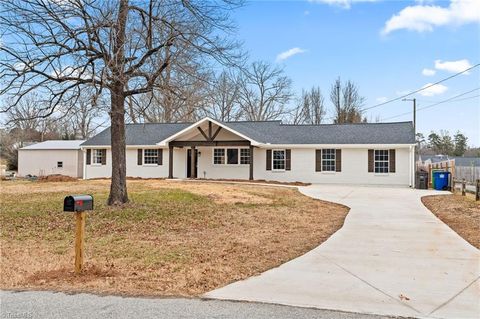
(194,126)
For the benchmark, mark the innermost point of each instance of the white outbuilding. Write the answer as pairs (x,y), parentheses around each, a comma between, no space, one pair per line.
(51,157)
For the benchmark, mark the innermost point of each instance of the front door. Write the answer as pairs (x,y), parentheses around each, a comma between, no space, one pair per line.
(189,163)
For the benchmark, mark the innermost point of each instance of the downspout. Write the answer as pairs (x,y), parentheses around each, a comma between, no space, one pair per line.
(410,166)
(414,165)
(84,163)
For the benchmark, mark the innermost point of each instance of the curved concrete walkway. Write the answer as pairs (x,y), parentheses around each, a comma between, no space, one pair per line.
(391,257)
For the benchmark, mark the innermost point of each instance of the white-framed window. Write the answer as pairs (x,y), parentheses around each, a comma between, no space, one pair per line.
(278,160)
(328,160)
(244,156)
(232,155)
(150,156)
(381,161)
(218,156)
(97,156)
(59,164)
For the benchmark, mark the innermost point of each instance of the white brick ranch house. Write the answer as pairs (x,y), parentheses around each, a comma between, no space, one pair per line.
(367,153)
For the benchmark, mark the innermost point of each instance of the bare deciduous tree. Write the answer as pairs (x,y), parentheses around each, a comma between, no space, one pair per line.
(310,108)
(264,92)
(223,98)
(85,117)
(116,47)
(347,102)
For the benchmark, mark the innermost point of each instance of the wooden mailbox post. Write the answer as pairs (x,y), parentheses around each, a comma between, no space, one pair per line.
(79,204)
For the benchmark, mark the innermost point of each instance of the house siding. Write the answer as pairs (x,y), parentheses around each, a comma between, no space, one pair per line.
(207,169)
(354,167)
(142,171)
(44,162)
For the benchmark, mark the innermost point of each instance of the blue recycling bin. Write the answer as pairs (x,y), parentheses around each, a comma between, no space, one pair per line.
(440,180)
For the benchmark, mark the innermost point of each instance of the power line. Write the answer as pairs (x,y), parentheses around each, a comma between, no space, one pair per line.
(413,92)
(452,99)
(456,100)
(421,89)
(436,101)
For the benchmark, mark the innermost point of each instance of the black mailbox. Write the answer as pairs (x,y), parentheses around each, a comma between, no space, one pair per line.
(78,203)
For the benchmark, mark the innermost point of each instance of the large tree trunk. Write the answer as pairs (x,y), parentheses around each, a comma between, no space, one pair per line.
(118,188)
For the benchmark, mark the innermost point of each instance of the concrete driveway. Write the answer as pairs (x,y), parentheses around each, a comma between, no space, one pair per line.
(391,257)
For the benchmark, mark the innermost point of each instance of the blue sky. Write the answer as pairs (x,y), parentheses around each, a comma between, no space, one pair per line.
(424,42)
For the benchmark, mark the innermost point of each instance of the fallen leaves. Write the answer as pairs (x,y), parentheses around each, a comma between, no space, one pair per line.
(461,213)
(173,238)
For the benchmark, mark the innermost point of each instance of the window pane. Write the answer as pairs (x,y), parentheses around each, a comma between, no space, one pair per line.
(278,160)
(245,156)
(328,160)
(97,156)
(150,156)
(218,156)
(381,161)
(278,154)
(232,156)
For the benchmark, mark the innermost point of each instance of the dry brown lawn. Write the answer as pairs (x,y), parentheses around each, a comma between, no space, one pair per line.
(173,238)
(460,213)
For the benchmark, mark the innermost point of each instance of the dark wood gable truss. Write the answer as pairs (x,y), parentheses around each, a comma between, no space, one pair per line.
(210,137)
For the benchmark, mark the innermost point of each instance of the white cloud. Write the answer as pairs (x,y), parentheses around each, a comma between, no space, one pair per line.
(345,4)
(65,72)
(423,18)
(437,89)
(381,99)
(428,72)
(453,66)
(306,12)
(289,53)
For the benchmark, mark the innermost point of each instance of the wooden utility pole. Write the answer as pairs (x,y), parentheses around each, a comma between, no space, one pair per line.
(415,116)
(79,240)
(415,150)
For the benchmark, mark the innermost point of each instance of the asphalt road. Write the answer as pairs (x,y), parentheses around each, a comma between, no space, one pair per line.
(36,304)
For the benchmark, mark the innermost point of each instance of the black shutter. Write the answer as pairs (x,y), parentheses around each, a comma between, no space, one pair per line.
(370,161)
(89,156)
(139,156)
(338,160)
(160,157)
(269,160)
(391,158)
(318,160)
(288,160)
(104,157)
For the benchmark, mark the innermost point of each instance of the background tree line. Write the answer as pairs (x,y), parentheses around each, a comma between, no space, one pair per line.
(256,92)
(442,143)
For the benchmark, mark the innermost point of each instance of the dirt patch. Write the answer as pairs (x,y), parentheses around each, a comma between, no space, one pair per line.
(258,181)
(56,178)
(173,238)
(460,213)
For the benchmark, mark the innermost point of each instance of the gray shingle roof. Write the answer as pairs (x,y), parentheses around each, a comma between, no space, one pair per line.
(362,133)
(55,145)
(140,134)
(274,132)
